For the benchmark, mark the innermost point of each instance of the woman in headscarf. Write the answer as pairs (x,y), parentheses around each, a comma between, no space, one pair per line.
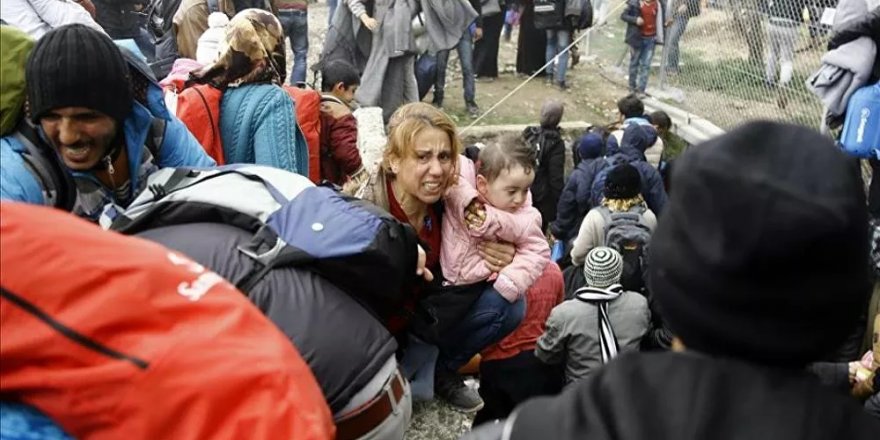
(257,119)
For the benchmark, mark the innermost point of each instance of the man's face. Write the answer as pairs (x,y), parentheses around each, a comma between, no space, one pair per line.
(81,136)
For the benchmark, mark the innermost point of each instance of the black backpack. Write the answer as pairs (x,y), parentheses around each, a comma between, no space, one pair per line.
(549,14)
(627,233)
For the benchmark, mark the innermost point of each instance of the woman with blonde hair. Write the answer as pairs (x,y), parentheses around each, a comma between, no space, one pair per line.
(419,165)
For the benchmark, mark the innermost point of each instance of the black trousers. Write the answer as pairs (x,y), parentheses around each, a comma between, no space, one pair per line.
(508,382)
(486,49)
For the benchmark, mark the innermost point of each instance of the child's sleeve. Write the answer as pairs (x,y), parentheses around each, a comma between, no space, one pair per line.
(458,198)
(532,255)
(550,348)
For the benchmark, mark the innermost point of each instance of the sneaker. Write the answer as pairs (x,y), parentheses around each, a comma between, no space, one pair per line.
(562,86)
(472,109)
(451,388)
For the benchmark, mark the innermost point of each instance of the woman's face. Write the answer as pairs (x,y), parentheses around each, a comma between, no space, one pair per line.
(424,174)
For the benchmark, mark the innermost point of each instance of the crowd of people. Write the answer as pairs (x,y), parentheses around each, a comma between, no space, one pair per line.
(214,259)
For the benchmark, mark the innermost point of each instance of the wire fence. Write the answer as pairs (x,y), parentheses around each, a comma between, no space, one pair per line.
(735,63)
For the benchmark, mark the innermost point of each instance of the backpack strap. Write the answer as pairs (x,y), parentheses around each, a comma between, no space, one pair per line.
(59,188)
(606,217)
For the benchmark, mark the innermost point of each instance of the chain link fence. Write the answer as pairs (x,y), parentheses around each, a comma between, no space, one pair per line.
(736,63)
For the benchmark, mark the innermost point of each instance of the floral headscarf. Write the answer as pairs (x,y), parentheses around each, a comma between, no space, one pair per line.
(253,52)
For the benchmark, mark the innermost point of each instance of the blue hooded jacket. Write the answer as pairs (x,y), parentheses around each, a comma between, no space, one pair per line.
(584,189)
(178,148)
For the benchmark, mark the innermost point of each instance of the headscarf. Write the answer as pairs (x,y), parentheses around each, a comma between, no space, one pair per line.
(253,52)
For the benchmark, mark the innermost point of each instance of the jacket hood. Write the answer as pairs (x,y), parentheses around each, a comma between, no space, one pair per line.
(15,46)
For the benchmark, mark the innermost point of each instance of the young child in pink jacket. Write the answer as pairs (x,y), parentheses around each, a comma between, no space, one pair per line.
(491,202)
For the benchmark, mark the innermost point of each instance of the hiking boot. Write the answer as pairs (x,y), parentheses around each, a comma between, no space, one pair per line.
(451,388)
(472,109)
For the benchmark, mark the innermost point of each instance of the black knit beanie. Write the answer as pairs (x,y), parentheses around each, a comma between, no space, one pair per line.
(77,66)
(623,182)
(762,251)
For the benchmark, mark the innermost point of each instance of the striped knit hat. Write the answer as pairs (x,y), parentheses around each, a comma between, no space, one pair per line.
(603,267)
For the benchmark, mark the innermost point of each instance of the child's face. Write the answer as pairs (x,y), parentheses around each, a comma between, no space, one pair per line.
(509,190)
(345,94)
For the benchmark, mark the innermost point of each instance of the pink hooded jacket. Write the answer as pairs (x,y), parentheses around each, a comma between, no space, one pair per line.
(459,259)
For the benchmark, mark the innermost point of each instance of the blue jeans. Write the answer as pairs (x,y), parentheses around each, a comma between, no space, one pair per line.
(557,41)
(489,320)
(465,50)
(640,63)
(670,49)
(418,364)
(296,28)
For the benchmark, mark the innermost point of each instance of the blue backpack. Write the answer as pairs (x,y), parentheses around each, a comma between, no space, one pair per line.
(861,128)
(358,246)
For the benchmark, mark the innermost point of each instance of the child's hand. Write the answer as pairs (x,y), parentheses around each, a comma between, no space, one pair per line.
(369,22)
(475,215)
(640,21)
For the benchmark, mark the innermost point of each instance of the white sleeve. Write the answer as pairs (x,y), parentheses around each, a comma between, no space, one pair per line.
(57,13)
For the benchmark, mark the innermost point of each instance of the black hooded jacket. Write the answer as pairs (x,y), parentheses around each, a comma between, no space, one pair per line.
(689,396)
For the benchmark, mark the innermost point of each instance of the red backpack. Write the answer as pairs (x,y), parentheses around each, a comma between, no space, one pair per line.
(198,106)
(308,116)
(115,337)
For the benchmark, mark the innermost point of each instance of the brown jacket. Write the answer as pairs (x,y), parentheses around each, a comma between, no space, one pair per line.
(340,157)
(191,21)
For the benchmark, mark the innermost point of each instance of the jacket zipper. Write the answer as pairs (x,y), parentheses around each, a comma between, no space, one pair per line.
(70,333)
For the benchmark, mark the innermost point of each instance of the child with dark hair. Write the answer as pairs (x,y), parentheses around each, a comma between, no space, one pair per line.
(632,111)
(490,202)
(340,157)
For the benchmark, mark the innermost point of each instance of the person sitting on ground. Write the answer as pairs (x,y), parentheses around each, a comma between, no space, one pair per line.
(509,371)
(574,202)
(593,149)
(636,139)
(340,157)
(549,147)
(257,121)
(37,17)
(103,115)
(490,201)
(621,195)
(632,111)
(748,312)
(418,166)
(601,321)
